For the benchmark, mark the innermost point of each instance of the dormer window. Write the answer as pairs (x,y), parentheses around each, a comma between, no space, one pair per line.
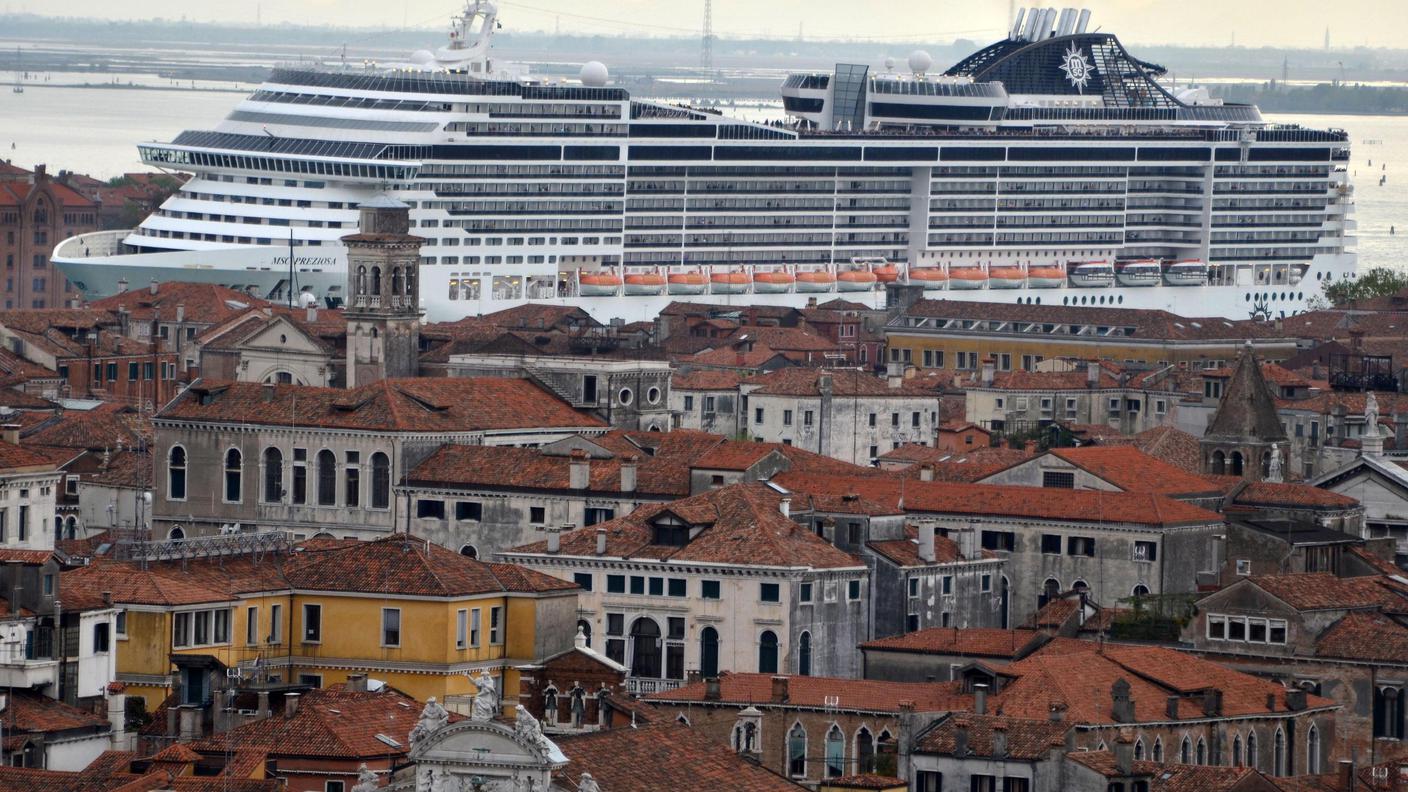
(670,532)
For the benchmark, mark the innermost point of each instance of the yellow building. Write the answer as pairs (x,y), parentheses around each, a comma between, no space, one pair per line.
(958,336)
(400,610)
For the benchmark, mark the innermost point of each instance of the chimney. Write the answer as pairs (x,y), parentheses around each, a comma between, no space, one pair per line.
(1171,708)
(1124,754)
(1092,374)
(121,285)
(312,314)
(1121,705)
(989,367)
(628,473)
(823,386)
(555,537)
(268,392)
(960,737)
(785,506)
(926,546)
(579,470)
(779,690)
(152,288)
(601,541)
(999,741)
(926,472)
(11,433)
(123,319)
(180,312)
(1270,702)
(712,690)
(356,683)
(1212,702)
(1295,699)
(1346,775)
(1056,712)
(894,373)
(980,699)
(290,705)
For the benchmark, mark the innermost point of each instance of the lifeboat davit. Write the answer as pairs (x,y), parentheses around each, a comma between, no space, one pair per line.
(773,282)
(1045,277)
(598,284)
(1003,277)
(645,284)
(729,282)
(856,280)
(1189,272)
(1144,272)
(1092,273)
(931,278)
(967,277)
(815,281)
(886,273)
(687,283)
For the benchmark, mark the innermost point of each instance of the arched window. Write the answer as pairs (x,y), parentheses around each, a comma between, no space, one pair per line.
(1266,464)
(797,752)
(1219,463)
(1278,754)
(1185,751)
(885,757)
(1140,591)
(327,478)
(176,534)
(396,287)
(1202,755)
(1234,463)
(1236,750)
(585,628)
(804,654)
(176,474)
(381,481)
(1139,748)
(1253,757)
(234,464)
(767,653)
(645,649)
(709,653)
(469,551)
(362,280)
(835,752)
(1159,749)
(865,751)
(71,528)
(1050,590)
(376,280)
(1312,750)
(273,475)
(1080,587)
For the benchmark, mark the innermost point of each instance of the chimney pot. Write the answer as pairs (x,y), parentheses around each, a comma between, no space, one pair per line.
(926,472)
(926,545)
(601,541)
(785,506)
(555,537)
(779,690)
(629,470)
(290,705)
(712,689)
(268,392)
(1346,775)
(11,433)
(980,700)
(181,312)
(999,740)
(579,470)
(1124,754)
(312,314)
(153,287)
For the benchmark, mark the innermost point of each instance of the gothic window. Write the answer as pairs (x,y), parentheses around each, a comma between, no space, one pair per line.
(1237,750)
(1185,751)
(376,280)
(1253,758)
(1312,751)
(804,654)
(362,280)
(645,649)
(865,751)
(797,752)
(233,469)
(767,653)
(176,474)
(1278,754)
(708,653)
(835,752)
(381,481)
(327,478)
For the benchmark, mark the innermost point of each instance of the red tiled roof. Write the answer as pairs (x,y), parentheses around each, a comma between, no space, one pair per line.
(34,713)
(13,457)
(1371,637)
(1145,324)
(1103,762)
(429,404)
(905,552)
(1202,778)
(806,382)
(866,781)
(1028,739)
(662,756)
(988,499)
(737,524)
(539,316)
(728,357)
(1133,470)
(1267,493)
(975,641)
(1323,591)
(91,429)
(706,380)
(130,585)
(204,303)
(865,695)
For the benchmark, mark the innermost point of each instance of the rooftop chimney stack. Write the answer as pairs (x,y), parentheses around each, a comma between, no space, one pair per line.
(180,312)
(779,690)
(312,314)
(980,699)
(926,471)
(989,369)
(555,537)
(579,470)
(999,741)
(926,546)
(712,690)
(1124,753)
(785,506)
(628,473)
(11,433)
(153,287)
(1092,374)
(600,541)
(290,705)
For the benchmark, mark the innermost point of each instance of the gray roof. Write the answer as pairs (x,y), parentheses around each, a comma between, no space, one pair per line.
(1248,408)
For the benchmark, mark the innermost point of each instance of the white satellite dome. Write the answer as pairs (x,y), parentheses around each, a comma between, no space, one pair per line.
(593,74)
(422,57)
(889,64)
(920,61)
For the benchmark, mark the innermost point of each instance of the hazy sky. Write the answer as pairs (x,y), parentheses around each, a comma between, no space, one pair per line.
(1254,22)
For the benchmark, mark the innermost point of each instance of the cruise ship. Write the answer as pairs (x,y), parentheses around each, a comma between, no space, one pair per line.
(1051,167)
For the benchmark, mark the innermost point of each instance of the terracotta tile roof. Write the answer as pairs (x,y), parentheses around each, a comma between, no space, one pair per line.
(706,380)
(974,641)
(1364,636)
(331,723)
(429,404)
(13,457)
(737,524)
(1202,778)
(1172,446)
(1033,502)
(32,557)
(1267,493)
(1271,372)
(810,692)
(1328,402)
(806,382)
(33,713)
(128,469)
(1053,614)
(905,552)
(1079,675)
(204,303)
(1133,470)
(90,429)
(1103,762)
(1145,324)
(130,585)
(540,316)
(1078,380)
(1307,591)
(866,781)
(1028,739)
(969,467)
(19,400)
(728,357)
(663,756)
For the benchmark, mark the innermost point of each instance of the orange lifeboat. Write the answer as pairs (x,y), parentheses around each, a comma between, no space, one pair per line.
(687,283)
(729,282)
(815,281)
(773,282)
(931,278)
(1045,277)
(1005,277)
(645,284)
(598,284)
(886,273)
(856,280)
(970,276)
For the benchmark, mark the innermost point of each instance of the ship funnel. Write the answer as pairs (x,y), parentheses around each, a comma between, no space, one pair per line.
(1067,22)
(1029,31)
(1084,21)
(1017,25)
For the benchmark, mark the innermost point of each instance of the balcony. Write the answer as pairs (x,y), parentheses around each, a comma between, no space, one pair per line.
(26,657)
(637,686)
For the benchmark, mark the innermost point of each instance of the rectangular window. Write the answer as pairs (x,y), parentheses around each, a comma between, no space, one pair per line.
(786,417)
(181,630)
(583,579)
(461,628)
(469,510)
(946,585)
(222,626)
(914,420)
(657,587)
(758,415)
(676,587)
(427,509)
(872,421)
(352,478)
(615,584)
(251,625)
(312,623)
(1276,631)
(1051,544)
(1080,546)
(537,515)
(689,404)
(1236,629)
(1146,551)
(985,583)
(708,404)
(1217,628)
(913,585)
(122,624)
(808,418)
(999,540)
(709,589)
(768,592)
(474,628)
(132,369)
(637,584)
(1058,479)
(335,786)
(496,619)
(804,592)
(852,590)
(390,626)
(201,634)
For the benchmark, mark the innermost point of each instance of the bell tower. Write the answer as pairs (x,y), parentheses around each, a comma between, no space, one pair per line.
(1245,437)
(383,294)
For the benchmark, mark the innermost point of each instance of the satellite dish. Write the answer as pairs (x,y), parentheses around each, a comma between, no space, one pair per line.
(889,64)
(593,74)
(422,57)
(920,61)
